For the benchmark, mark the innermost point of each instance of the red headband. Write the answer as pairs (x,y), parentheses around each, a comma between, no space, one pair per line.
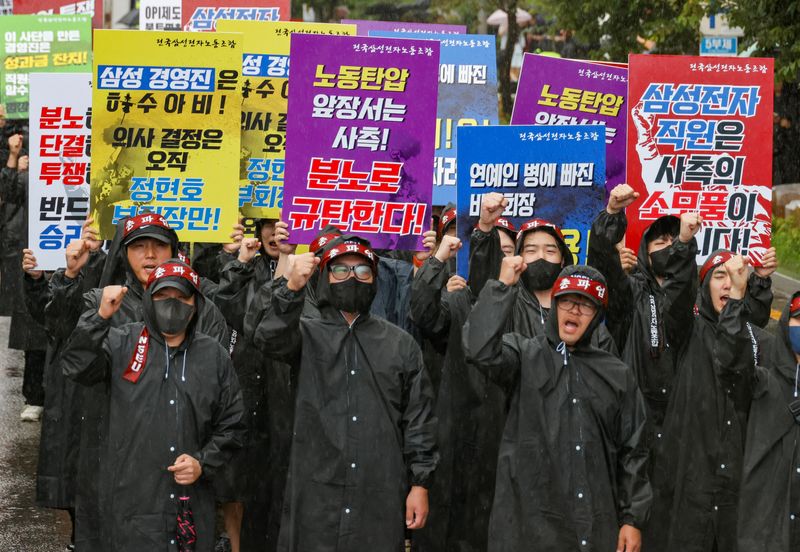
(539,223)
(321,241)
(348,248)
(447,217)
(175,270)
(503,223)
(716,260)
(794,307)
(142,220)
(583,285)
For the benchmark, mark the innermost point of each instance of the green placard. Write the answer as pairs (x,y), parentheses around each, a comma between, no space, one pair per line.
(40,44)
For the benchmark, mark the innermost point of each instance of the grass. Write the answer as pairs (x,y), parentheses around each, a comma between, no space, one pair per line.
(786,240)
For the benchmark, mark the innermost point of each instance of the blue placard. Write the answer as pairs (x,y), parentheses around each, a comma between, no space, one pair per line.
(719,46)
(556,173)
(467,97)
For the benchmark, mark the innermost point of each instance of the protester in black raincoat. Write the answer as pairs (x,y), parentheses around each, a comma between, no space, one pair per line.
(769,499)
(542,246)
(364,436)
(256,475)
(173,411)
(651,310)
(141,244)
(571,473)
(60,433)
(470,409)
(25,333)
(698,460)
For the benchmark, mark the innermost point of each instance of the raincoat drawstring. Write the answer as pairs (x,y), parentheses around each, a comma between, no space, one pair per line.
(166,357)
(562,348)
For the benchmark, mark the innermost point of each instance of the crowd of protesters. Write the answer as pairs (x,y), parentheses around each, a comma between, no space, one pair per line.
(353,399)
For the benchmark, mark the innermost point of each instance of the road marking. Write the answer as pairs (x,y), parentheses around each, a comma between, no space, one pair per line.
(775,315)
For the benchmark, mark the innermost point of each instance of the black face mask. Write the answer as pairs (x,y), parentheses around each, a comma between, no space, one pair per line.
(659,262)
(172,315)
(352,295)
(540,275)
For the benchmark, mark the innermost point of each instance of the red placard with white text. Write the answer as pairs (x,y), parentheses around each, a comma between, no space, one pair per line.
(62,7)
(202,15)
(700,140)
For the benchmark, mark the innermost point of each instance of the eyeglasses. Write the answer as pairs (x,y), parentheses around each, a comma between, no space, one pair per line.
(342,272)
(584,309)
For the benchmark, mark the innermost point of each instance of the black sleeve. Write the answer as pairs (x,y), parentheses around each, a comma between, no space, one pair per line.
(231,297)
(735,352)
(11,191)
(634,492)
(758,300)
(229,429)
(87,356)
(680,292)
(418,422)
(37,295)
(485,346)
(66,304)
(485,256)
(607,231)
(427,310)
(277,327)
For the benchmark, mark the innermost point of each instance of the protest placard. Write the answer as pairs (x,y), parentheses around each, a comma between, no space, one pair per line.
(40,44)
(556,173)
(360,137)
(202,15)
(365,27)
(265,88)
(467,97)
(557,91)
(700,140)
(92,8)
(166,111)
(159,15)
(58,189)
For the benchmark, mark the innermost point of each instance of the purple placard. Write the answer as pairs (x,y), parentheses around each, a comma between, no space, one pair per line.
(557,91)
(363,27)
(360,138)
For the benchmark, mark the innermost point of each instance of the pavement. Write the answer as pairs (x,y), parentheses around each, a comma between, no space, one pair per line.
(23,526)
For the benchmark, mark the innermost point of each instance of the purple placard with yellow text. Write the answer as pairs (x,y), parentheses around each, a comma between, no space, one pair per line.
(360,138)
(556,91)
(363,27)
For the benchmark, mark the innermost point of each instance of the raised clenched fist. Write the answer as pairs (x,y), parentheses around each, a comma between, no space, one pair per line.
(111,300)
(619,198)
(299,269)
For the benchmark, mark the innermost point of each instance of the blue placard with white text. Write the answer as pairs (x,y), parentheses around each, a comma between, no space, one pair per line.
(467,97)
(556,173)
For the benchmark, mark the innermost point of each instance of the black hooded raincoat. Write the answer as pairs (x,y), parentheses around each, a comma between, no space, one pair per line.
(571,468)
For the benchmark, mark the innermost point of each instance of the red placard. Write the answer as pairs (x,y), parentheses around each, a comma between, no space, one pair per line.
(700,140)
(202,15)
(62,7)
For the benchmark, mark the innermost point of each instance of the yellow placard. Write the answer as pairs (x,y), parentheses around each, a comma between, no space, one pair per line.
(265,91)
(165,135)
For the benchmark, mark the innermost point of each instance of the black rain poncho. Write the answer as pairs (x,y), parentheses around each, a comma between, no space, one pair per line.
(364,431)
(650,322)
(698,457)
(186,401)
(769,498)
(571,468)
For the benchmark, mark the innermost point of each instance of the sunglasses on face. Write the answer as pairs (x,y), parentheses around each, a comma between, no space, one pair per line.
(342,271)
(584,309)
